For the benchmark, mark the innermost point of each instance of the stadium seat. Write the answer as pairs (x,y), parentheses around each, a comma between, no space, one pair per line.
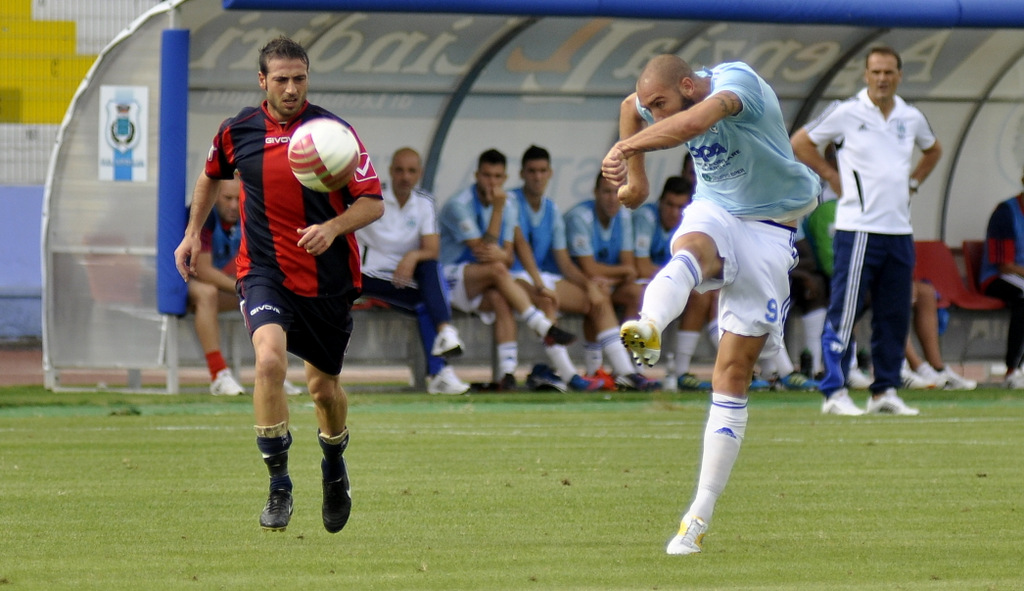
(973,251)
(935,264)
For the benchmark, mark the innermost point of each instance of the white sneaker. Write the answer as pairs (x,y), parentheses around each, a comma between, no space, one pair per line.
(447,343)
(225,384)
(690,539)
(291,389)
(913,381)
(840,403)
(928,373)
(1014,381)
(446,382)
(890,403)
(954,381)
(857,379)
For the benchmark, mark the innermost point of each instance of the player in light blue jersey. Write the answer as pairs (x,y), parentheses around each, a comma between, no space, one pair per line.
(545,269)
(476,251)
(600,235)
(736,236)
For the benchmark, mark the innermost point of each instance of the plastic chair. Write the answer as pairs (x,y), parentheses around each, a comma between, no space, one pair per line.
(973,251)
(935,264)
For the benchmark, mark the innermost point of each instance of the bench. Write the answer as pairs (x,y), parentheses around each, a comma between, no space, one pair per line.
(977,327)
(384,336)
(380,336)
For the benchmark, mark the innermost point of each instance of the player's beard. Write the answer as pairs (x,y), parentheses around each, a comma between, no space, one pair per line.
(287,110)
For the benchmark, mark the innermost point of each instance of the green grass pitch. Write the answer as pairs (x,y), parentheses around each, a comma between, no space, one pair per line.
(528,491)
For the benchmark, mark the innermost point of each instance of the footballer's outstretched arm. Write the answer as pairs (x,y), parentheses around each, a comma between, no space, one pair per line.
(670,132)
(637,187)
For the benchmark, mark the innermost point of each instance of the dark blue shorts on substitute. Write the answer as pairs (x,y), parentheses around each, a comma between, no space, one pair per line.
(317,329)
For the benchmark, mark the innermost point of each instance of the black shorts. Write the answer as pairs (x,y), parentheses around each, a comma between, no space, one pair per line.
(318,329)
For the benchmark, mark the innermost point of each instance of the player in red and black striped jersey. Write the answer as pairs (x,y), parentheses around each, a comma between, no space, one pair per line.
(298,271)
(275,207)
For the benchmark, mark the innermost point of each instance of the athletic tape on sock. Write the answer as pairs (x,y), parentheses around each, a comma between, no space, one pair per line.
(278,430)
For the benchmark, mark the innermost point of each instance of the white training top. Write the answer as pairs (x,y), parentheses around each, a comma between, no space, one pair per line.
(874,161)
(383,243)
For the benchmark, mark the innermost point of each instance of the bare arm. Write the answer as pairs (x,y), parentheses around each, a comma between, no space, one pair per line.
(628,264)
(929,158)
(524,251)
(496,197)
(670,132)
(569,269)
(807,152)
(623,272)
(318,238)
(486,248)
(637,187)
(203,197)
(1010,269)
(572,273)
(429,250)
(682,126)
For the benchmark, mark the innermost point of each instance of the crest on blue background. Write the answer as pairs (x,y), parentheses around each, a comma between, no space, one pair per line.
(122,133)
(123,127)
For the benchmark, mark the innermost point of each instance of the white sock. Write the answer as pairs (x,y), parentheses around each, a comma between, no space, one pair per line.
(712,330)
(669,289)
(559,357)
(686,346)
(727,423)
(536,320)
(611,344)
(814,325)
(508,357)
(778,364)
(592,358)
(783,363)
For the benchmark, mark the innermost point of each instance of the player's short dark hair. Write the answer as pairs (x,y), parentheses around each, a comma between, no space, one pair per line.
(281,48)
(597,181)
(535,153)
(491,156)
(884,50)
(678,185)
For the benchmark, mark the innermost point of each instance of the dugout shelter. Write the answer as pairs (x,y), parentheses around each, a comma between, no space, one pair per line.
(454,78)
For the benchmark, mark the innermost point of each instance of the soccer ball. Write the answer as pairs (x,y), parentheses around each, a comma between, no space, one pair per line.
(323,154)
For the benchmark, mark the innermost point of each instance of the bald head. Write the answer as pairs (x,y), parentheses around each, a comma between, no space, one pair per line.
(406,170)
(667,85)
(665,70)
(228,191)
(406,152)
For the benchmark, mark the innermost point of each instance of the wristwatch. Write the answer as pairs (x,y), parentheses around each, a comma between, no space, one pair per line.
(914,184)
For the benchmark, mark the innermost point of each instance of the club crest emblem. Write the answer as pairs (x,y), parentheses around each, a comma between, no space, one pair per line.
(122,133)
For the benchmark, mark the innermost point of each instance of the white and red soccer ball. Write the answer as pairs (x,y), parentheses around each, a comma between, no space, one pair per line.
(323,154)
